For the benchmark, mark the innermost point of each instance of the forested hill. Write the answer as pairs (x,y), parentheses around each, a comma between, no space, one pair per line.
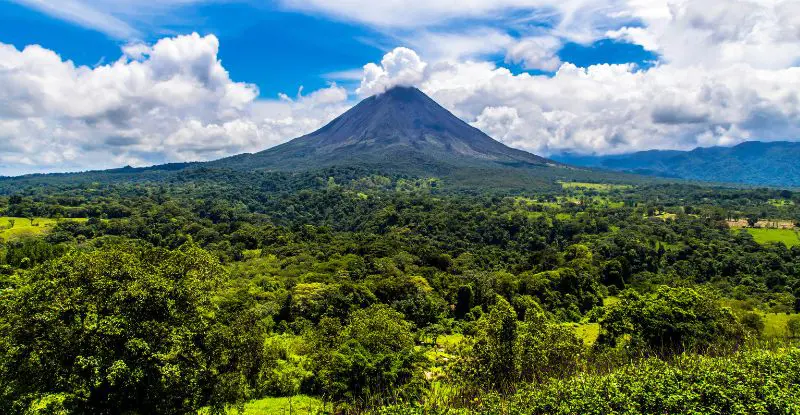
(753,162)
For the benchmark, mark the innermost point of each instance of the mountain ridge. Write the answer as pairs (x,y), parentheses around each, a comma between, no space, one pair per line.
(761,163)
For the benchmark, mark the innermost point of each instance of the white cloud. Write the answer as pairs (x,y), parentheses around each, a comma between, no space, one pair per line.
(171,101)
(85,14)
(581,21)
(474,43)
(726,73)
(619,108)
(718,33)
(536,53)
(400,67)
(404,14)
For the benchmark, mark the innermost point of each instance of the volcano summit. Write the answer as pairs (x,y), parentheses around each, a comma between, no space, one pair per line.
(399,129)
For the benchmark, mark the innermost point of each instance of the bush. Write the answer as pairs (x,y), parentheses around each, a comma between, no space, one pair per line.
(669,322)
(755,382)
(369,362)
(793,325)
(753,322)
(506,351)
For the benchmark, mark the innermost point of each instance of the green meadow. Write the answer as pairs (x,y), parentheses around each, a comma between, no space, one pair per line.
(598,187)
(788,237)
(14,228)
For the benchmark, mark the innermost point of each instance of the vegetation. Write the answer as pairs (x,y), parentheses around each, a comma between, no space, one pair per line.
(352,290)
(788,237)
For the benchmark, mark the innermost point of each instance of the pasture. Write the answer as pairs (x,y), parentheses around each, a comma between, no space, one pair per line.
(775,324)
(788,237)
(299,404)
(14,228)
(781,202)
(598,187)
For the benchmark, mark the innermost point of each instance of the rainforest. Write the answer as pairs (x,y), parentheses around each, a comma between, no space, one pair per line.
(346,290)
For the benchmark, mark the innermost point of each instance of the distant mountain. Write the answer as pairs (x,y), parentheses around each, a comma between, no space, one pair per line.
(754,163)
(400,129)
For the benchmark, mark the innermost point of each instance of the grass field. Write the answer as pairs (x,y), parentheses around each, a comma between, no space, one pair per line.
(789,237)
(588,332)
(599,187)
(781,202)
(299,404)
(24,229)
(665,216)
(449,340)
(524,201)
(775,324)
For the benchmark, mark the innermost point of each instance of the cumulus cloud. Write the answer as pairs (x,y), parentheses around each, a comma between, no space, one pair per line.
(170,101)
(400,67)
(619,108)
(536,53)
(761,33)
(726,72)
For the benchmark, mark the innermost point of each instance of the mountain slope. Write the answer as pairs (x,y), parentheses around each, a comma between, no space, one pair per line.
(401,128)
(753,162)
(400,132)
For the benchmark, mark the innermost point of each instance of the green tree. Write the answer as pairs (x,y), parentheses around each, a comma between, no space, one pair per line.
(369,362)
(126,329)
(793,326)
(491,362)
(753,322)
(670,321)
(546,349)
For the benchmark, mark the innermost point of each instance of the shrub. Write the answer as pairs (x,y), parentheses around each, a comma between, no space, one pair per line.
(793,325)
(746,383)
(506,351)
(670,321)
(753,322)
(369,362)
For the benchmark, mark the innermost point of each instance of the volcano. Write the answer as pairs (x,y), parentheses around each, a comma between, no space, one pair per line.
(400,129)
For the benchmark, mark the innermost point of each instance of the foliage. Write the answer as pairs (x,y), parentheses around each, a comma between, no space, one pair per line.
(506,351)
(126,329)
(364,287)
(793,326)
(670,321)
(750,383)
(370,361)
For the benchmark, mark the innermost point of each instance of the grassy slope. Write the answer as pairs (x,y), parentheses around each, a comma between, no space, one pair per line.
(300,404)
(788,236)
(775,324)
(24,229)
(599,187)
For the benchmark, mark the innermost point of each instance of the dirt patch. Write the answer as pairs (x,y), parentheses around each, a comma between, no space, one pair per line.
(766,224)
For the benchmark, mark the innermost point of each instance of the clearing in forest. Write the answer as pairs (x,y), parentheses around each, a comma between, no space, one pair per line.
(598,187)
(789,237)
(13,228)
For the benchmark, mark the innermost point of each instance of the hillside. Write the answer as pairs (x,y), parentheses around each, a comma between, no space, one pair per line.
(753,163)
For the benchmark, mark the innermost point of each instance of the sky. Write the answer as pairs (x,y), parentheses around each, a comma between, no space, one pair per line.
(94,84)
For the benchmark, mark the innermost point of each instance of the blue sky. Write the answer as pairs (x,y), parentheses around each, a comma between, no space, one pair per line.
(277,49)
(104,83)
